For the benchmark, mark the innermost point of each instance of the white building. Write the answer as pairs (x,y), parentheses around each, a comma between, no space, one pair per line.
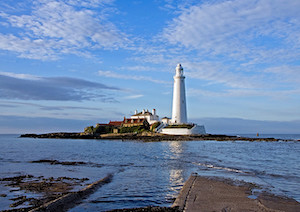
(179,124)
(151,117)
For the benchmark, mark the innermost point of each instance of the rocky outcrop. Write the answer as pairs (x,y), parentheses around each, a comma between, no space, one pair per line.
(59,135)
(147,137)
(70,199)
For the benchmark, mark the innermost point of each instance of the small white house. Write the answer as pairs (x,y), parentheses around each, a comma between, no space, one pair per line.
(151,117)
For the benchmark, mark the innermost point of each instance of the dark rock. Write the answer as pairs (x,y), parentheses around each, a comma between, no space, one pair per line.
(149,137)
(148,209)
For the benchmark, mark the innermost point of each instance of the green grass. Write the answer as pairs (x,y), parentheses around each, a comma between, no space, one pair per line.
(188,126)
(155,125)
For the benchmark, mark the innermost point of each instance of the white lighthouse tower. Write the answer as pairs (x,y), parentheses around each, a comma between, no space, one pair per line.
(179,101)
(178,124)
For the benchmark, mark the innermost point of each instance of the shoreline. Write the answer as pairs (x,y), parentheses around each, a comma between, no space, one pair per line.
(199,193)
(148,137)
(54,194)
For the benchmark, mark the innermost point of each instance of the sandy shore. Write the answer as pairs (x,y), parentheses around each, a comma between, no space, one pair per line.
(212,194)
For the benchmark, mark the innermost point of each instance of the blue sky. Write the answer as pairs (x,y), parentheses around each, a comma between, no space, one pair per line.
(65,64)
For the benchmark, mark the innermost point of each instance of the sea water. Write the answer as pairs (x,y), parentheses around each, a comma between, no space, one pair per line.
(151,173)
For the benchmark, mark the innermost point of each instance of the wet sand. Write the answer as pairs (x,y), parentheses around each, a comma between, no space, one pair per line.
(213,194)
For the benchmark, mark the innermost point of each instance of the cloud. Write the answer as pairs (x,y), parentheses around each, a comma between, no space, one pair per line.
(285,73)
(217,73)
(52,88)
(54,28)
(111,74)
(19,76)
(172,6)
(257,31)
(139,68)
(229,93)
(277,82)
(89,3)
(46,108)
(134,96)
(238,47)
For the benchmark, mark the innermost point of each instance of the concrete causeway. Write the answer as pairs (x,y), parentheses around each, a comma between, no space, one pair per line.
(211,194)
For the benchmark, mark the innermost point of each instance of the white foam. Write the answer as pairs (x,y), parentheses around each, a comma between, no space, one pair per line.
(219,167)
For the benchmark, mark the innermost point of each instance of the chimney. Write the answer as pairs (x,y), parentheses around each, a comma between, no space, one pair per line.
(135,112)
(143,111)
(153,112)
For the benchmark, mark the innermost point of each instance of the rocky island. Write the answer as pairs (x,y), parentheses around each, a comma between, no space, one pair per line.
(140,129)
(146,137)
(147,126)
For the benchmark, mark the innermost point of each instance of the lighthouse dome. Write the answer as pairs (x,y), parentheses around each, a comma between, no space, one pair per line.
(179,70)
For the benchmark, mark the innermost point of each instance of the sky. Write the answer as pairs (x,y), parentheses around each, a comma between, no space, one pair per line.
(67,64)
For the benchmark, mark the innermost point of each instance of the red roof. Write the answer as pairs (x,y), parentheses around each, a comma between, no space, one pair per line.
(99,124)
(115,123)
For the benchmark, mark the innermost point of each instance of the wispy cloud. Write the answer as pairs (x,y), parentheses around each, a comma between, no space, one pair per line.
(241,30)
(19,76)
(88,3)
(216,73)
(52,88)
(134,96)
(111,74)
(232,93)
(139,68)
(238,52)
(285,73)
(54,28)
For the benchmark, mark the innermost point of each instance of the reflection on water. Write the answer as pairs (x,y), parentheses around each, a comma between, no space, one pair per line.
(176,149)
(176,179)
(150,173)
(176,173)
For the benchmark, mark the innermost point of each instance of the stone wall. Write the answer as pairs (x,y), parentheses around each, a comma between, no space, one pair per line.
(197,129)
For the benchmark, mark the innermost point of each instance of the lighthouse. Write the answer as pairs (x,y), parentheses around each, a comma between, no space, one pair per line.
(179,101)
(179,116)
